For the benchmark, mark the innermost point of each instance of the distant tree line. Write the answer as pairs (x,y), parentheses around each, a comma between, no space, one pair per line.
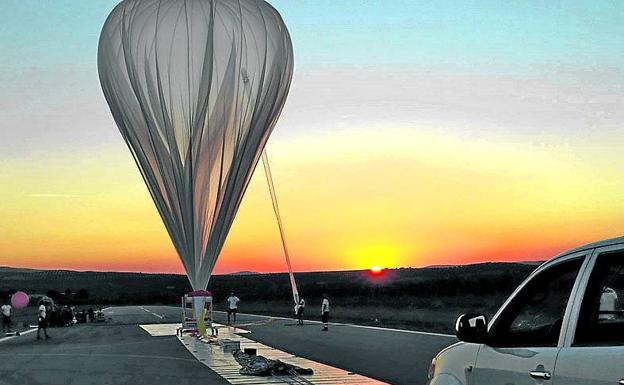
(420,285)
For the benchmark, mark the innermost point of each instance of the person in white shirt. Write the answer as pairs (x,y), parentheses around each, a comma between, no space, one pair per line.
(325,312)
(6,318)
(300,309)
(43,321)
(232,306)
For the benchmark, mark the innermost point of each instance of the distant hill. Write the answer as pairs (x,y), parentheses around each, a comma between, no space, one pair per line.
(428,298)
(486,264)
(114,287)
(6,269)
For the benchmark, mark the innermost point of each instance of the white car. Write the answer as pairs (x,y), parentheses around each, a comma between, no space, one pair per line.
(563,325)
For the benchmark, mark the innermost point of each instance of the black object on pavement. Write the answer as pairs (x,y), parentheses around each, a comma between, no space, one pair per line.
(262,366)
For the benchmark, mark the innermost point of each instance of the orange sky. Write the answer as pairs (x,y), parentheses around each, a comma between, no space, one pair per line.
(394,197)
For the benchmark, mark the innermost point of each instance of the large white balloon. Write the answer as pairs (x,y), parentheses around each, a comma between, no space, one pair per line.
(195,87)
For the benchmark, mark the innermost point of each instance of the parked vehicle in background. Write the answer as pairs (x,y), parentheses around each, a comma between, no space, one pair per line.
(564,325)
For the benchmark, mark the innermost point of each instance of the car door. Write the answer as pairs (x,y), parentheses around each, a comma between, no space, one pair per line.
(593,351)
(525,335)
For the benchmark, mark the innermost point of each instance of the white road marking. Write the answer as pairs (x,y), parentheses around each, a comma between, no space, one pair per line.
(161,330)
(152,313)
(351,325)
(21,334)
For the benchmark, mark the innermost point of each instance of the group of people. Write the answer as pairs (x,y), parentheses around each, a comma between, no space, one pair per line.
(42,319)
(49,315)
(43,314)
(299,310)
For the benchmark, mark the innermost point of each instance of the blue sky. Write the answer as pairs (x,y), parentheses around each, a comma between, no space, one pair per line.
(474,34)
(494,34)
(477,68)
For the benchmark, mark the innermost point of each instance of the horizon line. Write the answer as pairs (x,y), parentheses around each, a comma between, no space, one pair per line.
(246,272)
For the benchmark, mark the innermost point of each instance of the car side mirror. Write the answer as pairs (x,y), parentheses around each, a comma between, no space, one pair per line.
(471,328)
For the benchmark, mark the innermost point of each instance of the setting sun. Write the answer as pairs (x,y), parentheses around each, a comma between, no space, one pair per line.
(376,269)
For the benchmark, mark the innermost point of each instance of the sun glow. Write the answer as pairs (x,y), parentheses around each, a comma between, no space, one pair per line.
(92,211)
(377,254)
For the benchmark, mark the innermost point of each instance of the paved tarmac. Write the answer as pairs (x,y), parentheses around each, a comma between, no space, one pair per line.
(99,354)
(119,352)
(393,356)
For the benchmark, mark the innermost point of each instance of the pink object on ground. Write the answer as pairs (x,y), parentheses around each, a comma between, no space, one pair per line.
(19,300)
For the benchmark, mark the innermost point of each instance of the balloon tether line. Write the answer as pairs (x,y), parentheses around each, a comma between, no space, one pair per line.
(278,217)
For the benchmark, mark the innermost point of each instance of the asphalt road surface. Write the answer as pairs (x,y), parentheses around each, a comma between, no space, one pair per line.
(119,352)
(394,356)
(397,357)
(101,354)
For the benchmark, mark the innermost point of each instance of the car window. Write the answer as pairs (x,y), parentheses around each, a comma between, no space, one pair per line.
(535,315)
(601,320)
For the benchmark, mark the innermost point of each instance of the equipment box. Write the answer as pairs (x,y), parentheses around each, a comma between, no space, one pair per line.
(229,346)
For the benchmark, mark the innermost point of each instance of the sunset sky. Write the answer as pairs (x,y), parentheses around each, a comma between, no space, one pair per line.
(415,133)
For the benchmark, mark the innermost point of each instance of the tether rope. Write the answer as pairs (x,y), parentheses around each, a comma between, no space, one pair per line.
(280,224)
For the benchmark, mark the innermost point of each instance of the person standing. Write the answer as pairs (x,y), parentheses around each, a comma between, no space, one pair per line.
(232,306)
(6,318)
(43,321)
(300,309)
(325,312)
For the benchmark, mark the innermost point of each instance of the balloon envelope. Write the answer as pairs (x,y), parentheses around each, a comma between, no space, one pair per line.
(19,300)
(195,87)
